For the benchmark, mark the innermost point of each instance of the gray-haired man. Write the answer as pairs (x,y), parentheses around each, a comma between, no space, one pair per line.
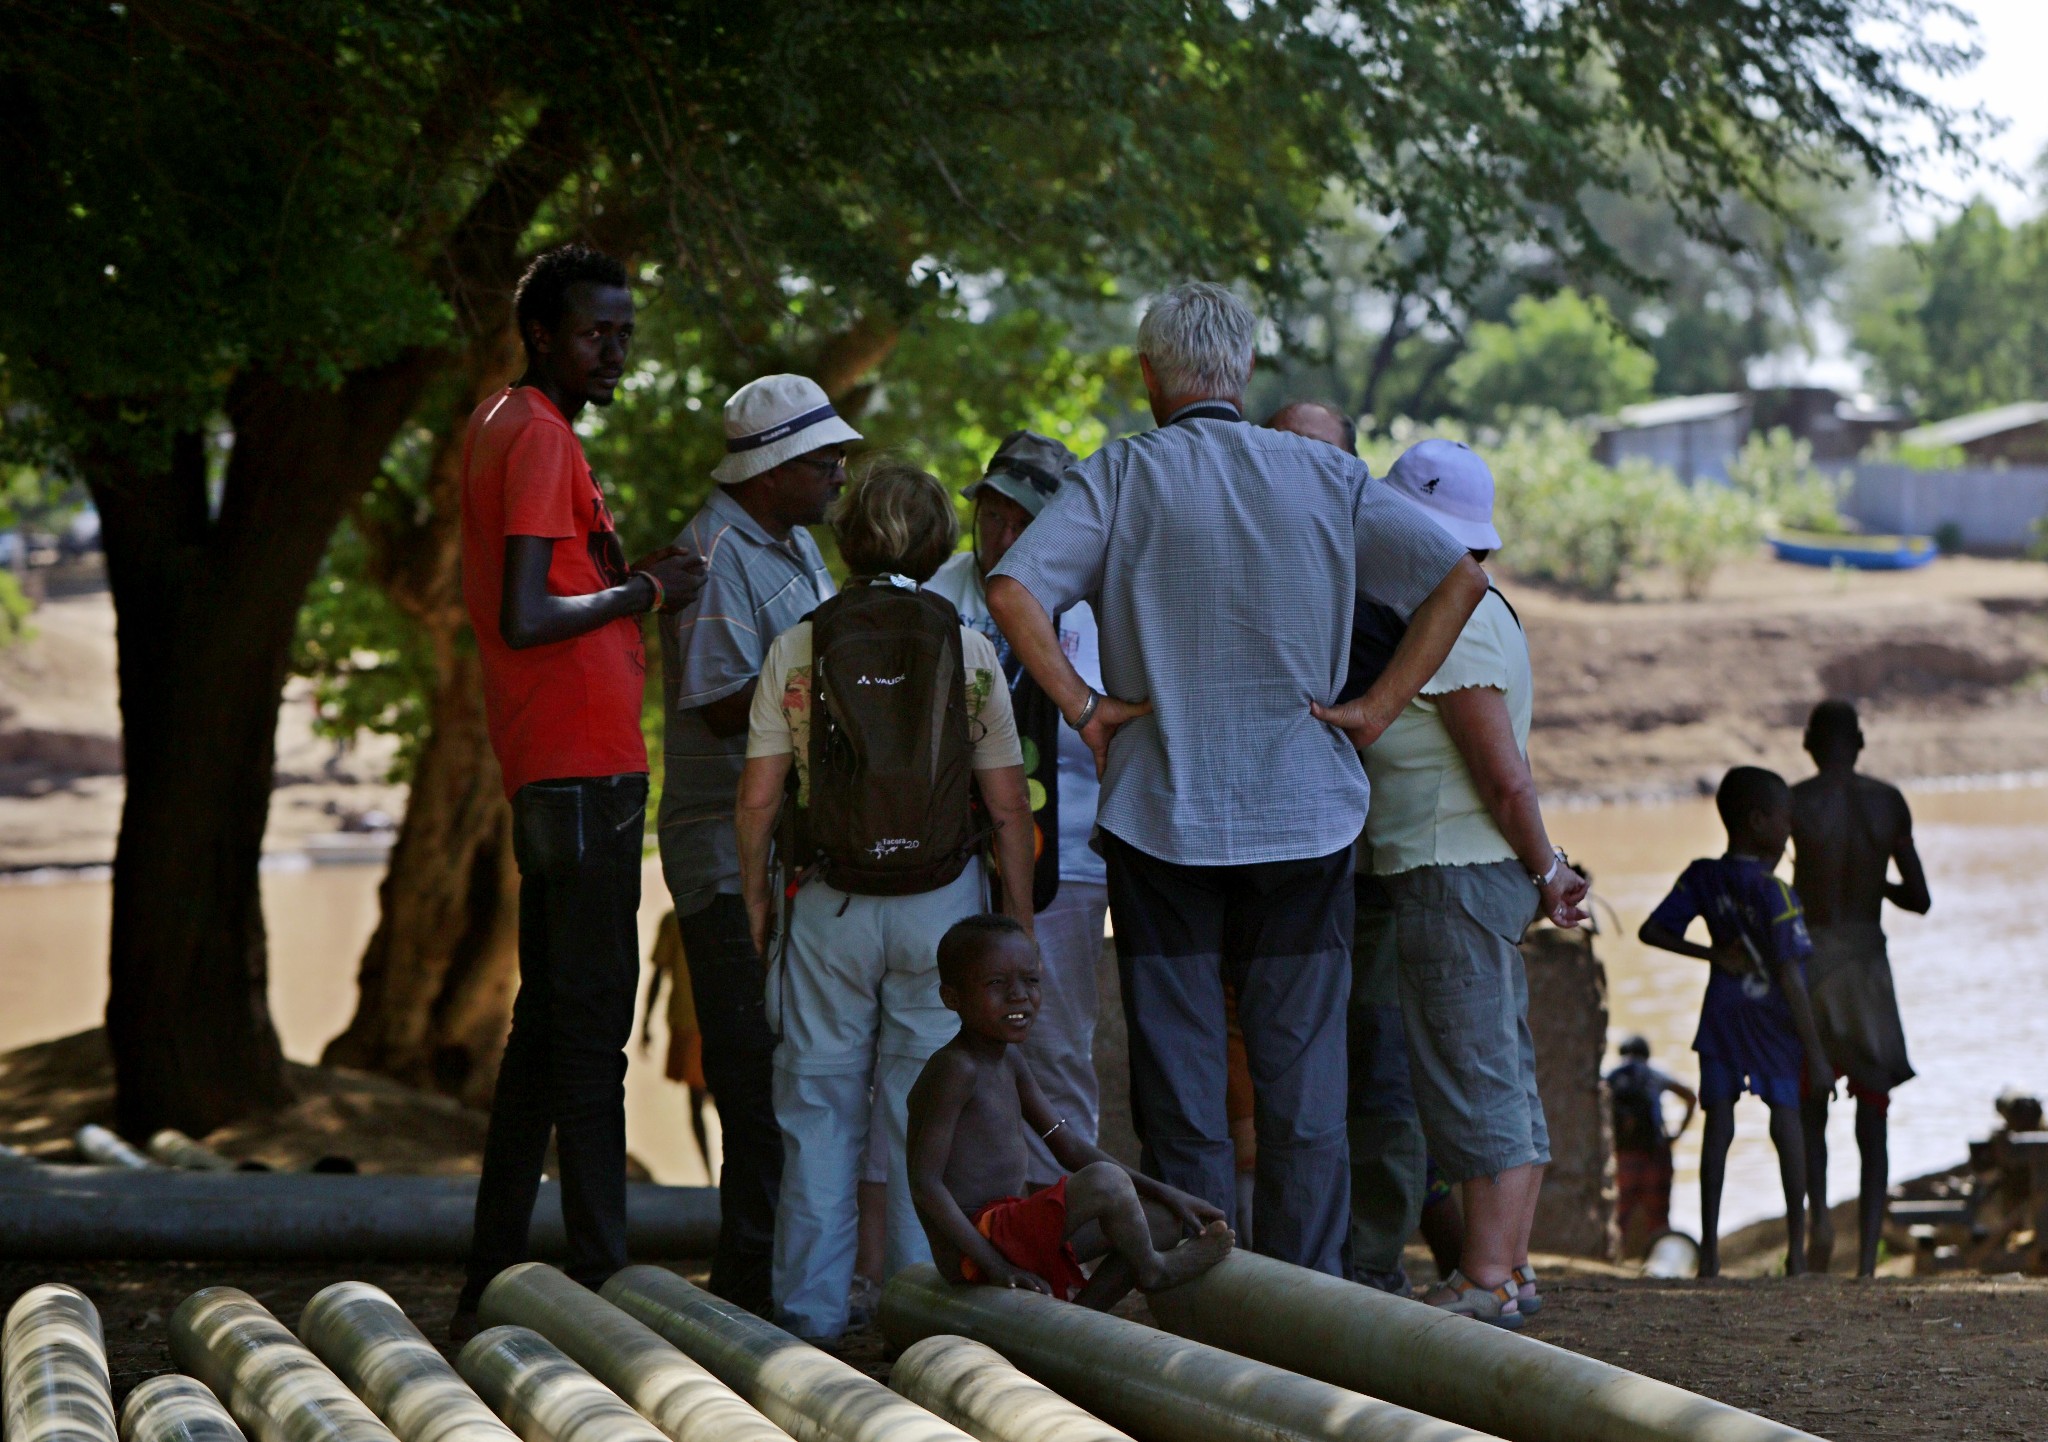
(1223,559)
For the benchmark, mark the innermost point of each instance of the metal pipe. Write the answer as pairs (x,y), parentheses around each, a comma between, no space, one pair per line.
(52,1215)
(371,1344)
(1448,1366)
(545,1396)
(53,1369)
(1157,1387)
(977,1390)
(812,1396)
(104,1148)
(674,1393)
(276,1389)
(176,1408)
(174,1149)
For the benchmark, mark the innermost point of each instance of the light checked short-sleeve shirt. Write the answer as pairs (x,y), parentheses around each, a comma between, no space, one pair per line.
(1222,560)
(755,588)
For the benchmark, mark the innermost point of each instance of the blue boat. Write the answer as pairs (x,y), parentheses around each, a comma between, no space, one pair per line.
(1863,553)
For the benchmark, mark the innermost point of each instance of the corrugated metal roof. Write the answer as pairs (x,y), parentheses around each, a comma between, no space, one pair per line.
(1978,425)
(1678,409)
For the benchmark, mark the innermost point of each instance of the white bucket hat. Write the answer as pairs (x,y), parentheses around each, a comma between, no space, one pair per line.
(775,419)
(1449,482)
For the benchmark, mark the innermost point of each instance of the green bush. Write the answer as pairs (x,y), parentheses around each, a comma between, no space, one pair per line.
(1566,518)
(14,611)
(1776,472)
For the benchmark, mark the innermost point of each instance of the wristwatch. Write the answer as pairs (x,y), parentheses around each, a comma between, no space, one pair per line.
(1557,859)
(1080,722)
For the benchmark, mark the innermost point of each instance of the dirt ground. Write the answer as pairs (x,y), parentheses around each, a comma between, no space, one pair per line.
(1891,1359)
(1655,696)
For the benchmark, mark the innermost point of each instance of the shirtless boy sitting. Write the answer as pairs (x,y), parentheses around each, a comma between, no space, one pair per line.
(967,1159)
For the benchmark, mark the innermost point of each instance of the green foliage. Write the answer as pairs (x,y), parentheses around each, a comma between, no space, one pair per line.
(1562,354)
(368,661)
(1567,519)
(1775,472)
(14,611)
(1959,323)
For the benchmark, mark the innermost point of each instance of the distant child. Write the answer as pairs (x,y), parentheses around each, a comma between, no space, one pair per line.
(1642,1145)
(968,1157)
(1756,1027)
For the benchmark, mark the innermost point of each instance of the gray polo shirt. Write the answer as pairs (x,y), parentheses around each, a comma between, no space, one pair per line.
(755,588)
(1222,560)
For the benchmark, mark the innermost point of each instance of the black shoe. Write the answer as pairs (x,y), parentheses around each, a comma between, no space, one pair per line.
(1395,1282)
(463,1325)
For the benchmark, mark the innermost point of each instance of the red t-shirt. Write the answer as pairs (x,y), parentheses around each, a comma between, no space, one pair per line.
(569,708)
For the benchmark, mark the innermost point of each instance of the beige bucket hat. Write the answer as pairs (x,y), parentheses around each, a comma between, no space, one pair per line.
(775,419)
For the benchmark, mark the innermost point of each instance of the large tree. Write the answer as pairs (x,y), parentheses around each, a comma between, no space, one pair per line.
(251,244)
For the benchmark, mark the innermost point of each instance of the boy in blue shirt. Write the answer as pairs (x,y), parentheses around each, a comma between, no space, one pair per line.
(1756,1026)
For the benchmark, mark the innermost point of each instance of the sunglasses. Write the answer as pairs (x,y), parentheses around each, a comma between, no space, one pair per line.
(835,466)
(1041,481)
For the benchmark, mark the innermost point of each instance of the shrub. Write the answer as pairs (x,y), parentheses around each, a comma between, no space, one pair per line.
(14,611)
(1776,472)
(1566,518)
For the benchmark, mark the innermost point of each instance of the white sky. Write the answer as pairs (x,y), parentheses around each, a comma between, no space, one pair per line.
(2009,81)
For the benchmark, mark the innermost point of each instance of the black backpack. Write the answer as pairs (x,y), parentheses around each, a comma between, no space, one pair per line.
(892,803)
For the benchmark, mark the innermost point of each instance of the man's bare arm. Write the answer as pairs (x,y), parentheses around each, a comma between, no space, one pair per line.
(529,614)
(760,800)
(1432,631)
(1909,892)
(1004,791)
(727,716)
(936,1102)
(1031,634)
(1730,959)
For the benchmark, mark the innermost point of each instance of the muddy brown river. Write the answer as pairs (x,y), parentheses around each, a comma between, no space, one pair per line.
(1972,977)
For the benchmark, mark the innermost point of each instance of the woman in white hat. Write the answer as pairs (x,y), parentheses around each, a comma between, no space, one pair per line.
(1458,840)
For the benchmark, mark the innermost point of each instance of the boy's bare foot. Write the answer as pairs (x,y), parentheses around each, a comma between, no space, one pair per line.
(1193,1257)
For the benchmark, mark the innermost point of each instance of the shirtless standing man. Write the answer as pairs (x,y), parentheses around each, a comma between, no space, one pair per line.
(1847,830)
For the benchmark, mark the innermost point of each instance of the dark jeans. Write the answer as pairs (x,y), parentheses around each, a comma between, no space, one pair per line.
(727,980)
(1389,1162)
(1280,933)
(578,844)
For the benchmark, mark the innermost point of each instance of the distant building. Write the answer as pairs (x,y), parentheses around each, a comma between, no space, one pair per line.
(2015,435)
(1839,428)
(1696,437)
(1693,436)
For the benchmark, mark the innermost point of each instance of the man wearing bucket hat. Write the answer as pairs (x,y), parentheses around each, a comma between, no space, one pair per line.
(1070,889)
(1457,839)
(785,460)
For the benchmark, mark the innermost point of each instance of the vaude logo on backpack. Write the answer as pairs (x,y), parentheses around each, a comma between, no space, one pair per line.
(891,810)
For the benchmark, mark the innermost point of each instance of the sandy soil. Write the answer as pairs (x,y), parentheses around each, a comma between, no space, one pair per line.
(1892,1359)
(60,747)
(1656,696)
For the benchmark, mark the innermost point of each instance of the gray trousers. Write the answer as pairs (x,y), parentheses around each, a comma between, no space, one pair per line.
(1389,1161)
(1061,1049)
(1280,933)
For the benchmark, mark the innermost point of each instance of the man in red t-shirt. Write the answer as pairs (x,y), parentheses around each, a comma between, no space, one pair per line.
(553,604)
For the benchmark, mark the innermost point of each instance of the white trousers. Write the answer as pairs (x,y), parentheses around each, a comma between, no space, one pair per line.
(856,1003)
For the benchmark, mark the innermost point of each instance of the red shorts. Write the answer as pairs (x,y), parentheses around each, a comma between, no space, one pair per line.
(1642,1182)
(1031,1232)
(1877,1101)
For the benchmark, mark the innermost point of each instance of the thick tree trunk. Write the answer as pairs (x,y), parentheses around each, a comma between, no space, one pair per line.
(206,608)
(436,983)
(206,605)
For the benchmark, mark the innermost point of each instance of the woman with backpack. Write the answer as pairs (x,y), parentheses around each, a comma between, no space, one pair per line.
(877,721)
